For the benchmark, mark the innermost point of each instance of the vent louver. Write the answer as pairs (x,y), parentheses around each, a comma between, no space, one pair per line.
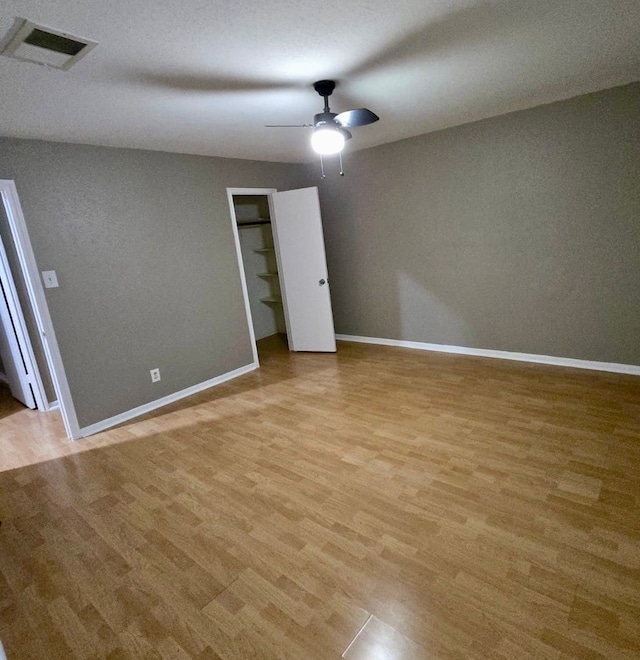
(42,45)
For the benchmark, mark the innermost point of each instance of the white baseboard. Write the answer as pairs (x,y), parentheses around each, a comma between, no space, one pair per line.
(613,367)
(158,403)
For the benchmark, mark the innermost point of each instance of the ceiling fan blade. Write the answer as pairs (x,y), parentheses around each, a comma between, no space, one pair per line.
(288,125)
(357,117)
(345,132)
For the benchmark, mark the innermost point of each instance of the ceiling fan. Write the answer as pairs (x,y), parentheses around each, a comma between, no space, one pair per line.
(330,129)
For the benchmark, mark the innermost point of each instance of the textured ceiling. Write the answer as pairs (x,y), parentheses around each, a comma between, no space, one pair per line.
(204,77)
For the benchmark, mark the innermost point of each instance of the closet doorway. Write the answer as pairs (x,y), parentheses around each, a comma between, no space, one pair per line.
(260,265)
(280,247)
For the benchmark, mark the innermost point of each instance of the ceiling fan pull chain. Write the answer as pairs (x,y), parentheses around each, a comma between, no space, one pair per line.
(322,168)
(341,168)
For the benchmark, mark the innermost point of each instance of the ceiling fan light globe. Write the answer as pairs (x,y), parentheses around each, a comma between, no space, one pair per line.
(326,141)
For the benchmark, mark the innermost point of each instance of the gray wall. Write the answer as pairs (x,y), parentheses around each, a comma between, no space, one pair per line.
(25,304)
(517,233)
(143,247)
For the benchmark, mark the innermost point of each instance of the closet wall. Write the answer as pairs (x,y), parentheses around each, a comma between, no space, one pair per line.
(260,268)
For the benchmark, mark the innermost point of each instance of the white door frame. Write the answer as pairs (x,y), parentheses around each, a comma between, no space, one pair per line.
(31,275)
(231,192)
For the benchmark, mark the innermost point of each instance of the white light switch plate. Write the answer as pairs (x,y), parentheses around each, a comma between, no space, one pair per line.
(50,279)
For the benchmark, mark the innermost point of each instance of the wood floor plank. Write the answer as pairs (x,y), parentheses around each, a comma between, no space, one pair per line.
(459,507)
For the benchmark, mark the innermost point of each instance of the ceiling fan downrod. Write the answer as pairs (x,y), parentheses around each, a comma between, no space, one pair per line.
(325,89)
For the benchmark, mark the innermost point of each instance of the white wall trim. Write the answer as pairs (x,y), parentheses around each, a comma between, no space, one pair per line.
(170,398)
(613,367)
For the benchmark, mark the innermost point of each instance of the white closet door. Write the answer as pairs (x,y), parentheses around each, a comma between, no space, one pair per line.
(13,356)
(302,267)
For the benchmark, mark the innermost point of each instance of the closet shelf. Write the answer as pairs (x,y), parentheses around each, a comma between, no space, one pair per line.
(272,299)
(254,222)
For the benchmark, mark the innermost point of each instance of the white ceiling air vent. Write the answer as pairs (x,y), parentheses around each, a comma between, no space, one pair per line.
(42,45)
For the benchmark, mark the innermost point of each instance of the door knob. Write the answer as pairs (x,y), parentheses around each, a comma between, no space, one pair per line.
(322,282)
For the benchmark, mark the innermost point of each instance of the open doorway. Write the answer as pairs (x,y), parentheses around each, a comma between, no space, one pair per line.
(289,275)
(251,218)
(23,367)
(49,363)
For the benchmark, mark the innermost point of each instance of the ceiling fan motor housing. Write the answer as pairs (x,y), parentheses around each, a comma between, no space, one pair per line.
(323,118)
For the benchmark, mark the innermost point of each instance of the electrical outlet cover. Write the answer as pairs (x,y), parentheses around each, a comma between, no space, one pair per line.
(50,279)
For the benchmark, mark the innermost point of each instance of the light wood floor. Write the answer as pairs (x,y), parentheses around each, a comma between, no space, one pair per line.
(377,503)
